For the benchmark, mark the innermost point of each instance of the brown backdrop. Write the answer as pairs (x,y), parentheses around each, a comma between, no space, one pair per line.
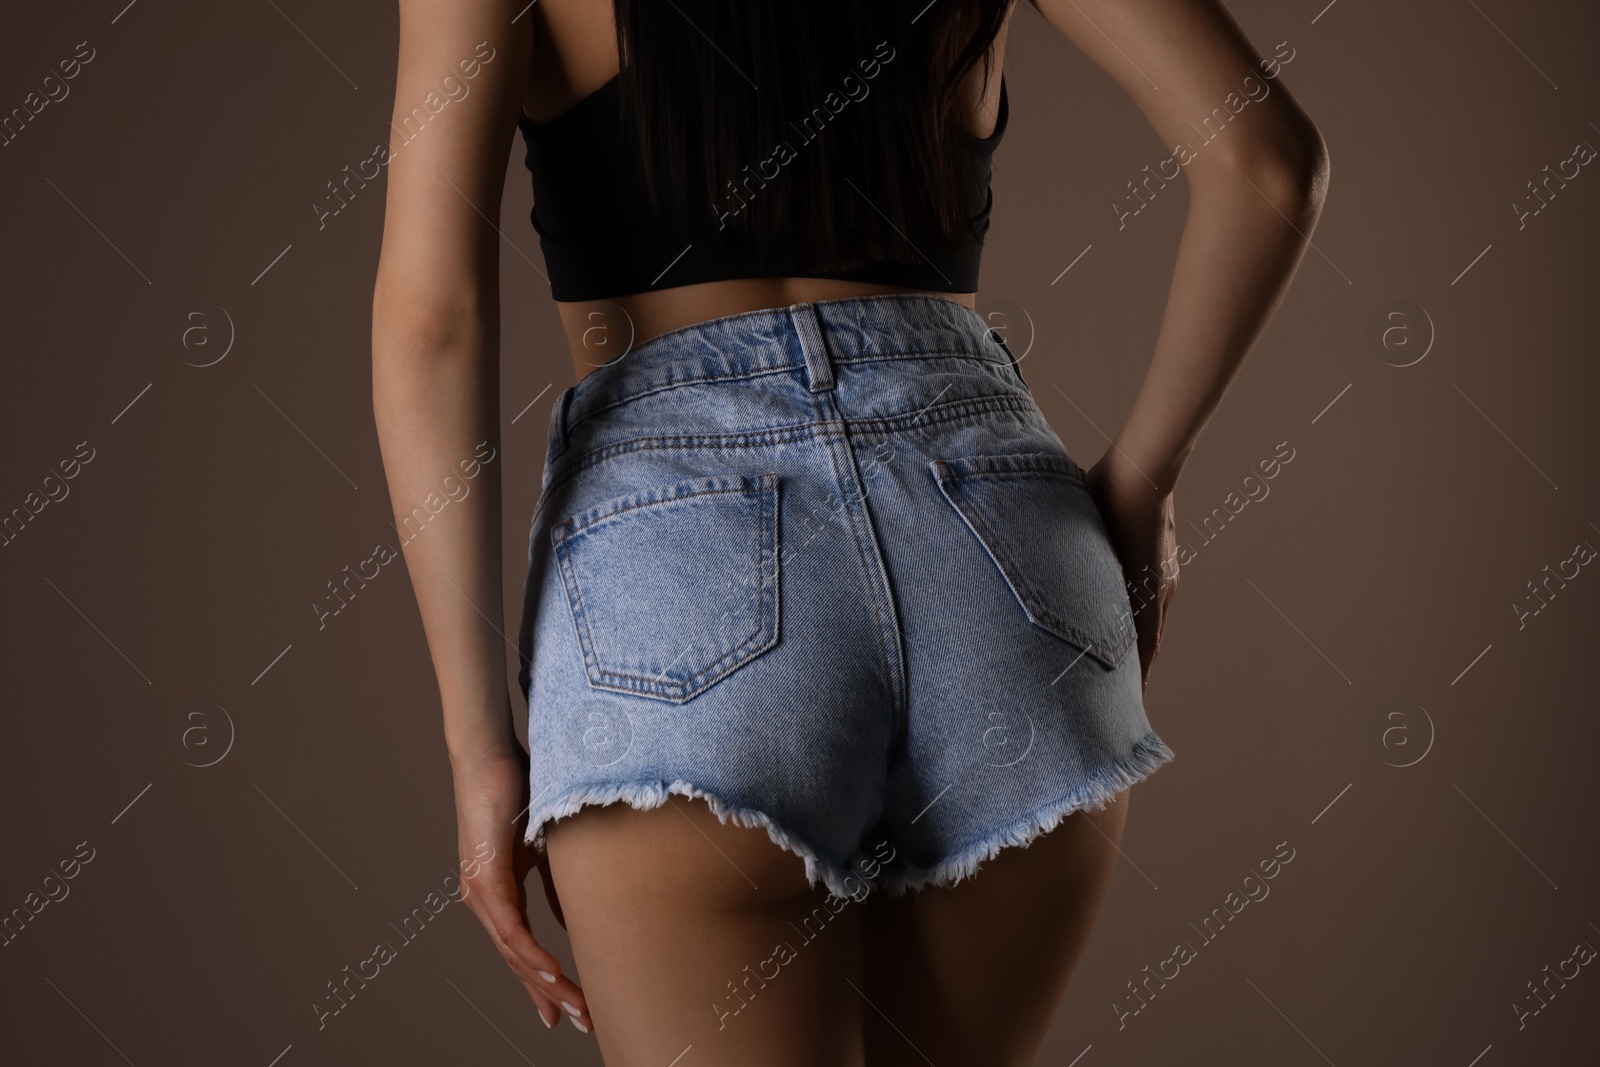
(1348,679)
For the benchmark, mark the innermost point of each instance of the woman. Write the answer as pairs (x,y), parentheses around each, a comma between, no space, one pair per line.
(819,614)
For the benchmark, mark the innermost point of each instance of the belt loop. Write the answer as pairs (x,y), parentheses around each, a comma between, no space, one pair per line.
(1015,366)
(807,321)
(558,424)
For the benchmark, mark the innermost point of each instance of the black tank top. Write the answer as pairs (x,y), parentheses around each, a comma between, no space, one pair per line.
(600,240)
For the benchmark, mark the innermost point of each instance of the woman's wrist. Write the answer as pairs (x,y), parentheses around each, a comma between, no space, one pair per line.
(1131,472)
(489,738)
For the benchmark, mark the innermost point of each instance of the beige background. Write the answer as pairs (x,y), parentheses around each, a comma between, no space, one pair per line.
(143,611)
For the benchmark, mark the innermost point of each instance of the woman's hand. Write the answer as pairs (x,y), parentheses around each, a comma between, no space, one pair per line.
(491,802)
(1141,522)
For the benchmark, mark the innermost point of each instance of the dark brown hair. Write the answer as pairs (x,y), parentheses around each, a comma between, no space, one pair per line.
(830,122)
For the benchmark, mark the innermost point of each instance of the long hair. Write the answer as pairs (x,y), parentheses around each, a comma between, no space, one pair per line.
(834,123)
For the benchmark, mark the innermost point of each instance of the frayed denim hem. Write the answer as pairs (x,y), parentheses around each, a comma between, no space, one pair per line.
(1149,753)
(643,796)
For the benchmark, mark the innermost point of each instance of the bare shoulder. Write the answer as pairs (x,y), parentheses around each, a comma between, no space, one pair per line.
(458,88)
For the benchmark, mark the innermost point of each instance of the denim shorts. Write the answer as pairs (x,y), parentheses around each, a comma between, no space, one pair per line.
(828,567)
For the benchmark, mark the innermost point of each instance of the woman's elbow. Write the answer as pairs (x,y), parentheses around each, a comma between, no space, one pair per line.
(410,325)
(1292,170)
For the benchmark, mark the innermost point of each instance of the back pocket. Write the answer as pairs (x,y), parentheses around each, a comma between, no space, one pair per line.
(1035,518)
(675,587)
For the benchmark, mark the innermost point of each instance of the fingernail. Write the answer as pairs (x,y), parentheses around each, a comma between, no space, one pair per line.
(547,976)
(574,1012)
(547,1023)
(579,1024)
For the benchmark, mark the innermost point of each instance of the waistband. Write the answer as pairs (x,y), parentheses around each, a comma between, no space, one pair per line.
(816,335)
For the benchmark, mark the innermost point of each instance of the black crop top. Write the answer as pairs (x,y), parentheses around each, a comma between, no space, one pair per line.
(600,241)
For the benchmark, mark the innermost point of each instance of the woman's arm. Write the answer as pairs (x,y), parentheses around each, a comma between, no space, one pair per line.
(1255,194)
(435,393)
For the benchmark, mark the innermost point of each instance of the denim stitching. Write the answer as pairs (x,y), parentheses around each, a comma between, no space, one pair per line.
(894,660)
(1049,464)
(689,687)
(764,372)
(948,411)
(584,460)
(657,502)
(836,431)
(675,383)
(771,589)
(580,619)
(934,354)
(682,691)
(1019,583)
(1030,597)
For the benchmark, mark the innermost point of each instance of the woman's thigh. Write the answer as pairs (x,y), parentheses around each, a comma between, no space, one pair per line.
(972,974)
(688,932)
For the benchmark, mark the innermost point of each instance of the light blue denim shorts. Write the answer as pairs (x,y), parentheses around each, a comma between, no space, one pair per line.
(828,567)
